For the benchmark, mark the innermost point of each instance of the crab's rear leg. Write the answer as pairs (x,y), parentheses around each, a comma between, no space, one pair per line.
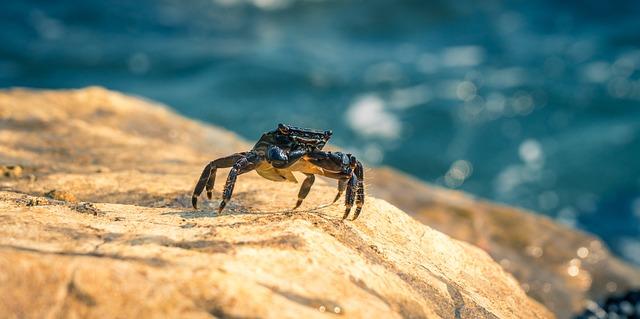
(208,177)
(350,195)
(243,165)
(359,172)
(305,188)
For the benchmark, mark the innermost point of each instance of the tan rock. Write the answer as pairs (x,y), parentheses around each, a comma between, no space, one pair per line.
(10,171)
(61,195)
(135,249)
(562,268)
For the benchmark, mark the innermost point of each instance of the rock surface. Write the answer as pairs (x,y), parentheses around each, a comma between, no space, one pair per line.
(565,269)
(115,236)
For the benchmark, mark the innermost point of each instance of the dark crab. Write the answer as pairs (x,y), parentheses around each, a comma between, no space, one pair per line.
(282,151)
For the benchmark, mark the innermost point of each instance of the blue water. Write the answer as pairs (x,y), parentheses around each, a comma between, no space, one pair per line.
(531,103)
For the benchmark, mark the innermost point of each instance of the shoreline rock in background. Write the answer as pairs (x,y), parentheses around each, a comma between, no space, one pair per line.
(564,269)
(115,236)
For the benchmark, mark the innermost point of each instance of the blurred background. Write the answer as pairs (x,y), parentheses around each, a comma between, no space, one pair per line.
(531,103)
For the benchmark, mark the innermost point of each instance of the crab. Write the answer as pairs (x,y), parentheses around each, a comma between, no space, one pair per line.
(281,152)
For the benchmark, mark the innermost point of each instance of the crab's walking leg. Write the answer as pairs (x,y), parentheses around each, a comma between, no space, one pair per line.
(208,176)
(359,172)
(349,197)
(243,165)
(342,185)
(305,188)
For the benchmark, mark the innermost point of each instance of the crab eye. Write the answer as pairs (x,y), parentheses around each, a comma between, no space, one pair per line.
(327,134)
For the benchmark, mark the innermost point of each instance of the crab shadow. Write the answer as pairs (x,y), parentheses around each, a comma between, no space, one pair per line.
(232,210)
(239,205)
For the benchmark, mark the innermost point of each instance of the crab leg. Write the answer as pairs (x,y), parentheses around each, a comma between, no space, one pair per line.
(342,185)
(305,188)
(208,176)
(359,172)
(243,165)
(350,195)
(343,181)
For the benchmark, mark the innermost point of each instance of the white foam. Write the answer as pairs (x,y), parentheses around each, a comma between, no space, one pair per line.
(530,151)
(369,116)
(462,56)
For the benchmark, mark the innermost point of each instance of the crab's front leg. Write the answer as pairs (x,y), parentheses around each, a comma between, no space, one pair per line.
(243,165)
(208,177)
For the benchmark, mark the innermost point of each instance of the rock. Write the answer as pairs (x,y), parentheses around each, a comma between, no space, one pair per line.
(565,269)
(61,195)
(147,254)
(34,201)
(10,171)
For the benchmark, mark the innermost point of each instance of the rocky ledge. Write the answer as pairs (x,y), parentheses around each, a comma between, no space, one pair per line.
(565,269)
(94,222)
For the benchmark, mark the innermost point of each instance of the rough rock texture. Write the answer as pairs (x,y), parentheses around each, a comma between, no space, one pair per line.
(114,236)
(563,268)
